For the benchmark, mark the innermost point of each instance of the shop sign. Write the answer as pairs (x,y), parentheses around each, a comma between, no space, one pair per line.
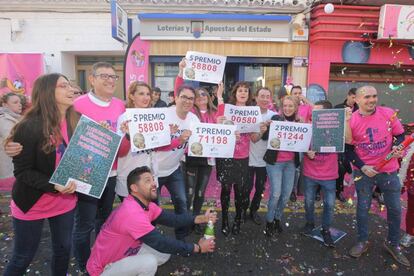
(119,22)
(396,22)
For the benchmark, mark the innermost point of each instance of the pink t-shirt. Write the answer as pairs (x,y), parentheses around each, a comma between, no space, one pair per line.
(49,204)
(119,236)
(372,136)
(305,112)
(285,156)
(242,147)
(323,167)
(100,111)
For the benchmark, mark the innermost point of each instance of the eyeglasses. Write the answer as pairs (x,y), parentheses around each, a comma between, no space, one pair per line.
(65,85)
(107,76)
(185,98)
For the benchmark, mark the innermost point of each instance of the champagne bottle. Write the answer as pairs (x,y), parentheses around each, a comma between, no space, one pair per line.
(209,232)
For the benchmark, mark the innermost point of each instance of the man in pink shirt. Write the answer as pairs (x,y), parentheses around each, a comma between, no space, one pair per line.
(374,132)
(129,244)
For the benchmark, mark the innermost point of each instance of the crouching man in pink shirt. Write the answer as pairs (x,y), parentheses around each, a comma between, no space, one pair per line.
(129,244)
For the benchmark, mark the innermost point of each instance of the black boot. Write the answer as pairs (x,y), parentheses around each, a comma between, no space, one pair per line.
(235,229)
(225,228)
(270,229)
(278,226)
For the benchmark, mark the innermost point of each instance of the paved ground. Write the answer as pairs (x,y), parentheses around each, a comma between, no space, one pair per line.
(253,254)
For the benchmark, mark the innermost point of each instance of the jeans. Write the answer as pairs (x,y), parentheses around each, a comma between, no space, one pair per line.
(176,187)
(281,176)
(90,214)
(389,184)
(27,234)
(196,183)
(329,195)
(259,186)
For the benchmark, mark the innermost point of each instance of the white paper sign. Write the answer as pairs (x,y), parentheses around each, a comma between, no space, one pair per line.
(149,128)
(204,67)
(289,136)
(247,118)
(212,140)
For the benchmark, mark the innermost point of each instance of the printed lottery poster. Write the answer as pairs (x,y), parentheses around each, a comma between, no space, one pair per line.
(149,128)
(88,159)
(247,118)
(204,67)
(289,136)
(328,127)
(212,140)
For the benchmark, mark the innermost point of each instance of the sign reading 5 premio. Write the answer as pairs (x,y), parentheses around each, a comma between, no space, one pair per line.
(204,67)
(289,136)
(247,118)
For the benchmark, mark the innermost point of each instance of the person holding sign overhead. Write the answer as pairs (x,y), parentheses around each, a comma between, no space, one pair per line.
(280,167)
(44,133)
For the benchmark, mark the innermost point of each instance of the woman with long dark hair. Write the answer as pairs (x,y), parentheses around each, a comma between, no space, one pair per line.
(44,133)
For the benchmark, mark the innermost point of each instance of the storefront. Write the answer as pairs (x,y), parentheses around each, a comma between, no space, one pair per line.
(353,46)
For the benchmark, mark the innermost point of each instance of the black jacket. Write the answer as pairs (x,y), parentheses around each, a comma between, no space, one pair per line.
(32,167)
(270,156)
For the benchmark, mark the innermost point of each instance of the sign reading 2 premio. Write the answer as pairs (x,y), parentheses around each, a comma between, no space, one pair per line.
(119,22)
(239,27)
(204,67)
(396,21)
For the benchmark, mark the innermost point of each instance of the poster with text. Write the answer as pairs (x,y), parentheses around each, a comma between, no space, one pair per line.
(88,158)
(204,67)
(212,140)
(328,130)
(289,136)
(149,128)
(246,118)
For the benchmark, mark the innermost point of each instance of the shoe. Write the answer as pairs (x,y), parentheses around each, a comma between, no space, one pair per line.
(407,240)
(340,197)
(256,218)
(358,249)
(327,238)
(225,228)
(307,229)
(198,229)
(270,229)
(396,253)
(235,229)
(318,196)
(278,226)
(293,197)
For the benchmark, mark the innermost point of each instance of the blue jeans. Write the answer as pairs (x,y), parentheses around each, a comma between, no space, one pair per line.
(90,214)
(176,187)
(27,234)
(389,184)
(281,176)
(329,194)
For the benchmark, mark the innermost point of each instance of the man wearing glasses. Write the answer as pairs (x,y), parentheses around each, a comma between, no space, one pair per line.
(168,157)
(99,105)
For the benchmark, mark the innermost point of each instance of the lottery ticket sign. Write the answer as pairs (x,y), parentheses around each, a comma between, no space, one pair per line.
(246,118)
(204,67)
(289,136)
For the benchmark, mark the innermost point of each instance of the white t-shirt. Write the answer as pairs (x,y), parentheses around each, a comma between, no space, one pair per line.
(169,161)
(257,150)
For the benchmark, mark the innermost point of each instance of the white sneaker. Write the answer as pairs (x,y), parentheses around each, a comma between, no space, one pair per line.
(407,240)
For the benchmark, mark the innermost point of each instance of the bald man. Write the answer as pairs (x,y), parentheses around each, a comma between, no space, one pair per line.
(374,132)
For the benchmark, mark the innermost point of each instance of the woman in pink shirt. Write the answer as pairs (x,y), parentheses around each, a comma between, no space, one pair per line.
(280,167)
(44,133)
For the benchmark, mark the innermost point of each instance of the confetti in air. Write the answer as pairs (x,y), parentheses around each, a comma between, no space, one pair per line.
(395,87)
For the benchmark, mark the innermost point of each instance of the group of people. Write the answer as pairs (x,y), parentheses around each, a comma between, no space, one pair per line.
(126,242)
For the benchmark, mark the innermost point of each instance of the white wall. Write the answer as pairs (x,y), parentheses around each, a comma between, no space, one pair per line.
(60,37)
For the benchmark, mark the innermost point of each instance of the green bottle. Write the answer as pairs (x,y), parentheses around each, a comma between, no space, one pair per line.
(209,232)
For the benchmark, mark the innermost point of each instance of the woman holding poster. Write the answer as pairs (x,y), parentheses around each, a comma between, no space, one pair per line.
(234,170)
(44,133)
(280,167)
(139,96)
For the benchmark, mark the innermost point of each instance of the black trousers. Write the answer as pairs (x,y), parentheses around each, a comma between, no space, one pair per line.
(259,185)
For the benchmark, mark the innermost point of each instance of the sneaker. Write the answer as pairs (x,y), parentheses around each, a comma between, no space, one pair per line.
(407,240)
(396,253)
(255,218)
(278,226)
(327,238)
(307,229)
(269,230)
(358,249)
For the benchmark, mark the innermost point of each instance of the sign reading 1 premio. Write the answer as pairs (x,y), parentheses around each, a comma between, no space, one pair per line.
(240,27)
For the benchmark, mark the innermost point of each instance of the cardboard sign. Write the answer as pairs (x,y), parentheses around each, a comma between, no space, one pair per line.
(88,158)
(212,140)
(204,67)
(149,128)
(246,118)
(328,127)
(289,136)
